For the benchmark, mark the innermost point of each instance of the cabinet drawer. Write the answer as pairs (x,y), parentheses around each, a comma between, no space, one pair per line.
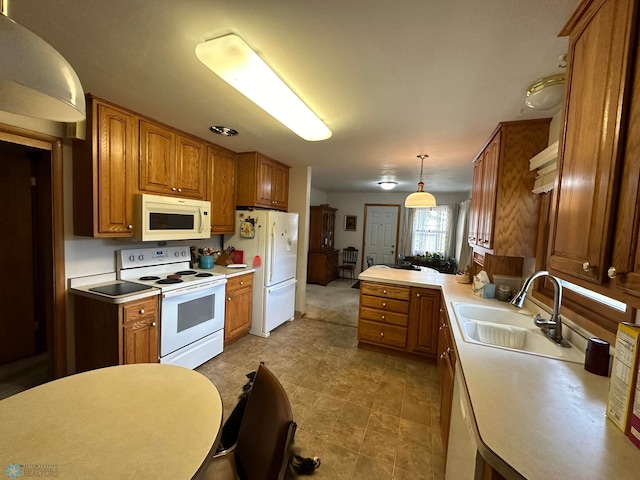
(241,281)
(138,310)
(387,291)
(384,316)
(388,304)
(382,334)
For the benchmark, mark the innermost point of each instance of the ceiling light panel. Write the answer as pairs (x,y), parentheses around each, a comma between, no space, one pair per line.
(236,63)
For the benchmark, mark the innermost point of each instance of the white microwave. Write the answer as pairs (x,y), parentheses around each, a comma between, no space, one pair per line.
(161,218)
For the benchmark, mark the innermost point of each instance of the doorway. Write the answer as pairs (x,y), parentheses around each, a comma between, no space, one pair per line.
(33,321)
(381,229)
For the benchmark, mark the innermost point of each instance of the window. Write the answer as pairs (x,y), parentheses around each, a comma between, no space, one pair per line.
(431,227)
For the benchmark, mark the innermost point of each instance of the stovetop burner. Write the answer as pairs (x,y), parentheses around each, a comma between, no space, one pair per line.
(204,274)
(166,281)
(186,272)
(149,277)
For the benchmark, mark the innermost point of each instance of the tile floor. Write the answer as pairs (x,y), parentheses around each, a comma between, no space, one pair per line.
(366,415)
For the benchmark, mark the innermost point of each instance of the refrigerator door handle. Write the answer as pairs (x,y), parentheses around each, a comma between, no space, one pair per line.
(282,286)
(272,252)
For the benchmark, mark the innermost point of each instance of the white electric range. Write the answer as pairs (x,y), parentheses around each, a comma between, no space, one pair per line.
(192,307)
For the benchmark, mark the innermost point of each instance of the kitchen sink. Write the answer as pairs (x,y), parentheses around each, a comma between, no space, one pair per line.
(509,329)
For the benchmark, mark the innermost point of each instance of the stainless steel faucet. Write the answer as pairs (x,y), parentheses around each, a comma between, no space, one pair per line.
(552,327)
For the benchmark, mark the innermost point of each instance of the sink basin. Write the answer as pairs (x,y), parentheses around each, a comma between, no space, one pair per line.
(508,329)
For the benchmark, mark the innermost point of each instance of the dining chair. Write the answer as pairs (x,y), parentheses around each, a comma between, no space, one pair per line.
(349,261)
(265,436)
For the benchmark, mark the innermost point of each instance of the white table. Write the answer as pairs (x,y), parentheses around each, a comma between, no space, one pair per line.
(131,421)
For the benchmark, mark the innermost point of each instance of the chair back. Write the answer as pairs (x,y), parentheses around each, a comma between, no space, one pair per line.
(370,261)
(350,256)
(266,431)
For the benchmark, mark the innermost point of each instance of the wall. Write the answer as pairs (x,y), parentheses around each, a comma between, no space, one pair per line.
(318,197)
(299,196)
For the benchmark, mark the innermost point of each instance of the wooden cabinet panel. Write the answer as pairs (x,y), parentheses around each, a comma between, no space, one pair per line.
(383,290)
(157,158)
(262,182)
(171,163)
(322,266)
(383,316)
(109,334)
(104,172)
(382,334)
(238,304)
(222,189)
(600,60)
(446,375)
(384,304)
(504,211)
(425,316)
(190,170)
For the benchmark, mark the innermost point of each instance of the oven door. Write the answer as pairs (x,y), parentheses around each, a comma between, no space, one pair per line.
(191,313)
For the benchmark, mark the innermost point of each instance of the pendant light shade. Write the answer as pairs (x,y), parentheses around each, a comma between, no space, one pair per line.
(35,80)
(420,199)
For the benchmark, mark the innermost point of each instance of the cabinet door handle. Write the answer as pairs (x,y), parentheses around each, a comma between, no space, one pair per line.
(586,266)
(141,311)
(129,227)
(382,317)
(241,282)
(179,189)
(228,299)
(612,272)
(384,291)
(173,189)
(384,304)
(418,295)
(382,334)
(153,324)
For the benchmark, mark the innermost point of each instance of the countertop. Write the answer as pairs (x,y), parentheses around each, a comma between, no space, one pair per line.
(544,418)
(82,285)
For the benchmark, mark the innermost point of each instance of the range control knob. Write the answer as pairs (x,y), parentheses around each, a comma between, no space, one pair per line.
(140,257)
(132,258)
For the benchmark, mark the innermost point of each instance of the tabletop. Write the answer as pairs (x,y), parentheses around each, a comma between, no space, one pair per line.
(130,421)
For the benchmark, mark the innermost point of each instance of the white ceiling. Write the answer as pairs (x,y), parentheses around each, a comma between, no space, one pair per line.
(391,79)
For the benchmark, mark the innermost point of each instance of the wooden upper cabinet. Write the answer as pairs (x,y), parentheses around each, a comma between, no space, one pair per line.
(171,163)
(262,182)
(104,172)
(222,189)
(602,47)
(503,219)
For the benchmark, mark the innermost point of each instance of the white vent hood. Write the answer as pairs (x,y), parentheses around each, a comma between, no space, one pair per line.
(545,164)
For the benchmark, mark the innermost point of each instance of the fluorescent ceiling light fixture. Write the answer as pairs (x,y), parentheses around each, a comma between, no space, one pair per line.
(232,59)
(387,185)
(420,199)
(35,80)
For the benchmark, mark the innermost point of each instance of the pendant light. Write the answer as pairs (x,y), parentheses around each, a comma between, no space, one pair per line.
(420,199)
(35,80)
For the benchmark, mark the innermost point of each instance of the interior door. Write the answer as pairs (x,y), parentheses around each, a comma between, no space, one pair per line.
(17,322)
(381,233)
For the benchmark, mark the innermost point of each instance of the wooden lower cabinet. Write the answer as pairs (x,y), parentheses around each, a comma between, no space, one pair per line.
(399,317)
(323,266)
(446,375)
(237,315)
(108,334)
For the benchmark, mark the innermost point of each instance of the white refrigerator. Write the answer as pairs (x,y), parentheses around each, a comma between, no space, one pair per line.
(269,240)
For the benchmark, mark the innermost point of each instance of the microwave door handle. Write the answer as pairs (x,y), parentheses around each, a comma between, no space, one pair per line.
(202,222)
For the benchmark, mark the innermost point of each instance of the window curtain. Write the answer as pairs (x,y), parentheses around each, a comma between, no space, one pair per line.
(407,231)
(463,252)
(450,249)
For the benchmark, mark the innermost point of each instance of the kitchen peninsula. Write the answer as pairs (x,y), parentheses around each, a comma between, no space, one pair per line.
(534,417)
